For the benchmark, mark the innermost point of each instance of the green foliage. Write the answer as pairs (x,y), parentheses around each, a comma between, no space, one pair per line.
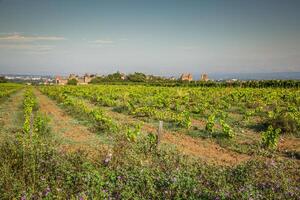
(270,137)
(72,81)
(210,123)
(80,108)
(137,77)
(41,124)
(114,77)
(133,133)
(183,120)
(29,104)
(103,122)
(152,140)
(178,106)
(109,78)
(2,79)
(248,114)
(6,89)
(163,174)
(34,167)
(288,121)
(227,130)
(40,170)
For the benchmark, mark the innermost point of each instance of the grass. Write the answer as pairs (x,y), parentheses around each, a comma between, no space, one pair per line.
(135,172)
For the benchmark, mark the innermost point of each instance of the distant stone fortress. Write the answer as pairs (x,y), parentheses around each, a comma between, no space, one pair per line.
(189,77)
(84,80)
(87,78)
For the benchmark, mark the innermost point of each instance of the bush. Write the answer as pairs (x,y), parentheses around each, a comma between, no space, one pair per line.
(3,79)
(72,81)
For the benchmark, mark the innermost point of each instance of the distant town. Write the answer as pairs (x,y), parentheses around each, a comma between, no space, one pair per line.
(87,78)
(140,77)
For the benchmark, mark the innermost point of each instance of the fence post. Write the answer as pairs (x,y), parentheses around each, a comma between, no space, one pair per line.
(160,132)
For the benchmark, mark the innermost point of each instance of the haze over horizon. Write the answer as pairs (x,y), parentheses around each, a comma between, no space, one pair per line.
(161,37)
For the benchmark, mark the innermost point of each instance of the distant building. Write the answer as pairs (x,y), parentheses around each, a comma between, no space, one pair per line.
(60,80)
(186,77)
(86,79)
(123,76)
(204,77)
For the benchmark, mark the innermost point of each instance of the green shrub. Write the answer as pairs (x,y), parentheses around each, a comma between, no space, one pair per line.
(270,137)
(133,133)
(227,131)
(72,81)
(210,123)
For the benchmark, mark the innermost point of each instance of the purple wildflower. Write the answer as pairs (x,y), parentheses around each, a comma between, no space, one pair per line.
(47,191)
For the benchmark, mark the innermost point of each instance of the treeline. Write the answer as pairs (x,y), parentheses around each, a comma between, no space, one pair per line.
(2,79)
(142,79)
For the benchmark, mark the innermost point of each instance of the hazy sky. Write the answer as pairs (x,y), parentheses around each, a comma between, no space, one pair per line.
(152,36)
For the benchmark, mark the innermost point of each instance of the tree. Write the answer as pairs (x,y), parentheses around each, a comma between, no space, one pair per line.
(72,81)
(3,79)
(137,77)
(114,77)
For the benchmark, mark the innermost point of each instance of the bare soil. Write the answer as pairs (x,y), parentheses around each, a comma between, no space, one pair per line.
(73,136)
(289,144)
(205,149)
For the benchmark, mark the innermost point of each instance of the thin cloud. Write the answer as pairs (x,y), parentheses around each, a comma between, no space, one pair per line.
(37,48)
(17,37)
(102,42)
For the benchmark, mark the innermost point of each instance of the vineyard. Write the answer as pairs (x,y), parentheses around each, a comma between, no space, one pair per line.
(7,89)
(218,113)
(103,142)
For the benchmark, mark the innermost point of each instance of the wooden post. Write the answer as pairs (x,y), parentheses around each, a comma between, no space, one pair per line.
(160,132)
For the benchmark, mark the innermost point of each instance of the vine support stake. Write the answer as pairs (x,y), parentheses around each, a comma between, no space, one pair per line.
(160,132)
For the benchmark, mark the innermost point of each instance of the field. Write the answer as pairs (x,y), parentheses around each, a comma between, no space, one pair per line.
(102,142)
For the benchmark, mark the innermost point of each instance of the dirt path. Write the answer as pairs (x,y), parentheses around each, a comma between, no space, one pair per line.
(289,144)
(11,113)
(72,136)
(201,148)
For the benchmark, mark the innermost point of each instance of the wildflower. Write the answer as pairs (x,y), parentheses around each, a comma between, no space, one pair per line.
(272,163)
(47,191)
(108,158)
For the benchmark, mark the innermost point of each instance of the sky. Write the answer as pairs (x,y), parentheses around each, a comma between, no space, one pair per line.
(161,37)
